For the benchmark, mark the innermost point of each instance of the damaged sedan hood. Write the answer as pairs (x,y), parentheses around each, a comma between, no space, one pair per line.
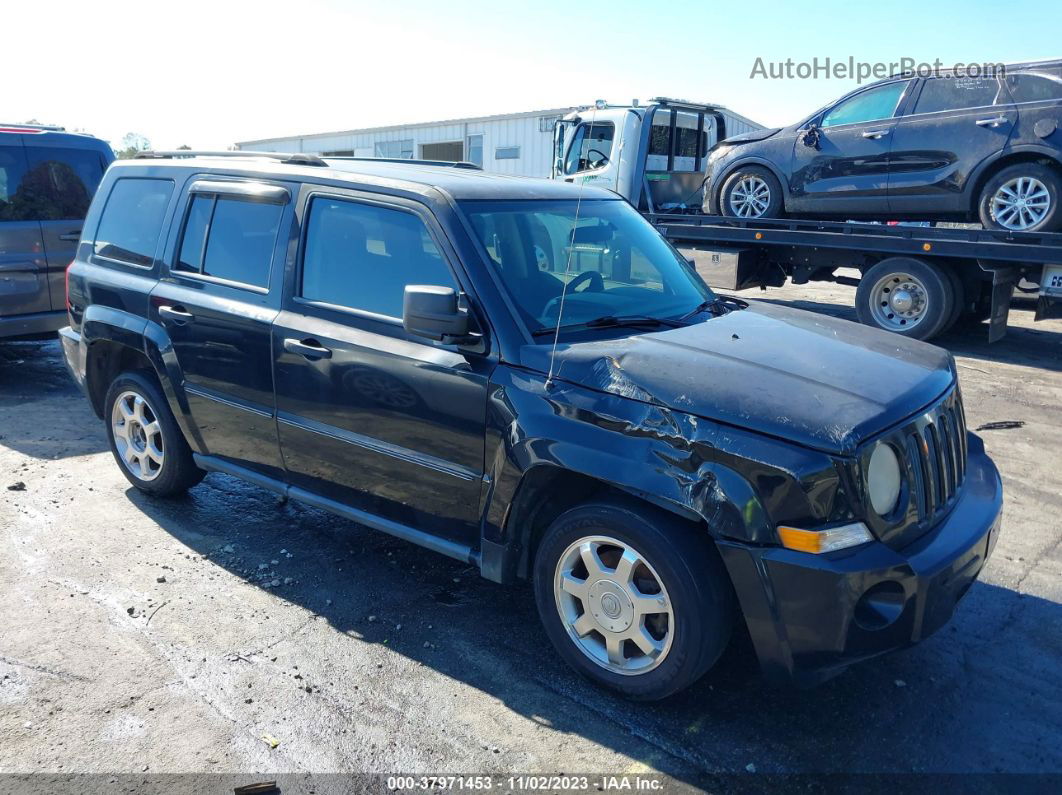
(818,381)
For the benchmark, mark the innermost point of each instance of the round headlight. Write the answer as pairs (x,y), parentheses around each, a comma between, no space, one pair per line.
(883,479)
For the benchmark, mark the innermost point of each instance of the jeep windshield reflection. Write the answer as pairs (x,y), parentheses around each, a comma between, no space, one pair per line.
(621,271)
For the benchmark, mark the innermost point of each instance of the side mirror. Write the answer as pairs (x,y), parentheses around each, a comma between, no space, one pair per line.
(811,136)
(432,312)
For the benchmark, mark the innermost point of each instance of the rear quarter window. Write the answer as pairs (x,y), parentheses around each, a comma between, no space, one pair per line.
(132,220)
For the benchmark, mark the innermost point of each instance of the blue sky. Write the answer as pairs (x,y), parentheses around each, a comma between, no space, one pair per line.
(211,73)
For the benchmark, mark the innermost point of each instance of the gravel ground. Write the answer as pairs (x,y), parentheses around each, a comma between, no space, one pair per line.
(150,636)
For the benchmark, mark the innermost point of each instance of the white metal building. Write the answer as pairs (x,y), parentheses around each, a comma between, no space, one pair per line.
(511,143)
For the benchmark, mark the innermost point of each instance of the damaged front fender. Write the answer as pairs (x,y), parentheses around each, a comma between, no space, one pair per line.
(739,484)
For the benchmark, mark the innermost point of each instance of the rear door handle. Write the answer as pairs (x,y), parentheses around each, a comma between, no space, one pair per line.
(310,348)
(177,314)
(995,122)
(875,134)
(71,237)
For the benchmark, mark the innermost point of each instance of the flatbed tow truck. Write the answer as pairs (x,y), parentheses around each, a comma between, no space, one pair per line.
(914,280)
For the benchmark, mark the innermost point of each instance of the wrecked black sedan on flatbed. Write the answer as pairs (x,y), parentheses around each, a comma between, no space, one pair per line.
(525,375)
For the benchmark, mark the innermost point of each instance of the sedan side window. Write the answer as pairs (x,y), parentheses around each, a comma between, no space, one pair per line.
(362,256)
(957,93)
(870,105)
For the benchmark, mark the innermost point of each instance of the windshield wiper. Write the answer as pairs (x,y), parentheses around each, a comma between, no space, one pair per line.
(612,321)
(719,302)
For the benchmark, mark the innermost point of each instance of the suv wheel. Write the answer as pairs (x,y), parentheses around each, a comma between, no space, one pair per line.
(906,296)
(145,440)
(1022,198)
(751,193)
(632,599)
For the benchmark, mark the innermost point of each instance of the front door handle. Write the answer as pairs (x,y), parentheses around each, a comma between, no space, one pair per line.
(71,237)
(178,314)
(310,348)
(994,122)
(875,134)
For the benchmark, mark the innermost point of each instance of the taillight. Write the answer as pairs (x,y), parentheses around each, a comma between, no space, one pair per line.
(66,285)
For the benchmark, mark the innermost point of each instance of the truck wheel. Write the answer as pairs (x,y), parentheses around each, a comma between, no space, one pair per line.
(906,296)
(632,599)
(147,444)
(1022,198)
(751,192)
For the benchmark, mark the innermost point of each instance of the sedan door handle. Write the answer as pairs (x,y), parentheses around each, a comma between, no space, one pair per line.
(71,237)
(311,348)
(998,120)
(178,314)
(875,134)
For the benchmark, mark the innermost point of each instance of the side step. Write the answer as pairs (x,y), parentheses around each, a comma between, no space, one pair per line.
(451,549)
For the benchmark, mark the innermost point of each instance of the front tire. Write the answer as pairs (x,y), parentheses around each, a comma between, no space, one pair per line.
(144,437)
(1022,198)
(632,598)
(750,193)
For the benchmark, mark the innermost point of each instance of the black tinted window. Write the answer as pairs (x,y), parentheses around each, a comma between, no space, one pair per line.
(132,219)
(239,238)
(66,178)
(957,93)
(660,133)
(362,256)
(1030,87)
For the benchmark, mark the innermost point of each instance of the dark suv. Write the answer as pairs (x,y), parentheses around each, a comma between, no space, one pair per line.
(525,376)
(47,179)
(911,148)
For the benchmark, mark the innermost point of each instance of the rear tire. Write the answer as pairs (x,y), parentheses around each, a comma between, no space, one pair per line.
(999,205)
(906,296)
(751,192)
(145,439)
(652,613)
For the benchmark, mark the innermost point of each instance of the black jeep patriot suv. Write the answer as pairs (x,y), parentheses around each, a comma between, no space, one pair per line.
(524,375)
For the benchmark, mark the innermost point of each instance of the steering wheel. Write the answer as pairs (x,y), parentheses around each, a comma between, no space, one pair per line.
(602,160)
(596,284)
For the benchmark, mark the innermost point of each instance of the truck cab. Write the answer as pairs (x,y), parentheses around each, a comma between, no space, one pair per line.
(652,155)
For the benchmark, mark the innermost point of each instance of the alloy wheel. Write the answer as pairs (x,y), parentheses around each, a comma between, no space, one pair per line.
(1020,203)
(750,198)
(614,605)
(137,435)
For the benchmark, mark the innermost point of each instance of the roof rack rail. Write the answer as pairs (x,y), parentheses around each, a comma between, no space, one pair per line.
(409,161)
(41,127)
(290,158)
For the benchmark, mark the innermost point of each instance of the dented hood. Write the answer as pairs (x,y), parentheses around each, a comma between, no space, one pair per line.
(814,380)
(750,137)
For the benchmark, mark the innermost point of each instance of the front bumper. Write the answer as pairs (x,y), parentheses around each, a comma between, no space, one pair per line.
(810,616)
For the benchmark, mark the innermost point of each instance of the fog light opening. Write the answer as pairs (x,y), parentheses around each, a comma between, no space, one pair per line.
(880,606)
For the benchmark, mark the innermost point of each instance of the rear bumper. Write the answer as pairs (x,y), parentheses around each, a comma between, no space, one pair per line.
(73,355)
(811,616)
(31,325)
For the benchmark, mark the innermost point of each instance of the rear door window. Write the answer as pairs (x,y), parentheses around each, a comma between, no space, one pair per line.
(229,238)
(957,93)
(64,179)
(132,220)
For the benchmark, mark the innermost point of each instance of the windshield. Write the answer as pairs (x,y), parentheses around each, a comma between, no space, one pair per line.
(619,264)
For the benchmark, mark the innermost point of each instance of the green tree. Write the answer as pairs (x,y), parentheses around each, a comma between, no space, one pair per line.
(131,144)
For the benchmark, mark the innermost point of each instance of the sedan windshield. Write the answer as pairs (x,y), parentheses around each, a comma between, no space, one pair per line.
(618,270)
